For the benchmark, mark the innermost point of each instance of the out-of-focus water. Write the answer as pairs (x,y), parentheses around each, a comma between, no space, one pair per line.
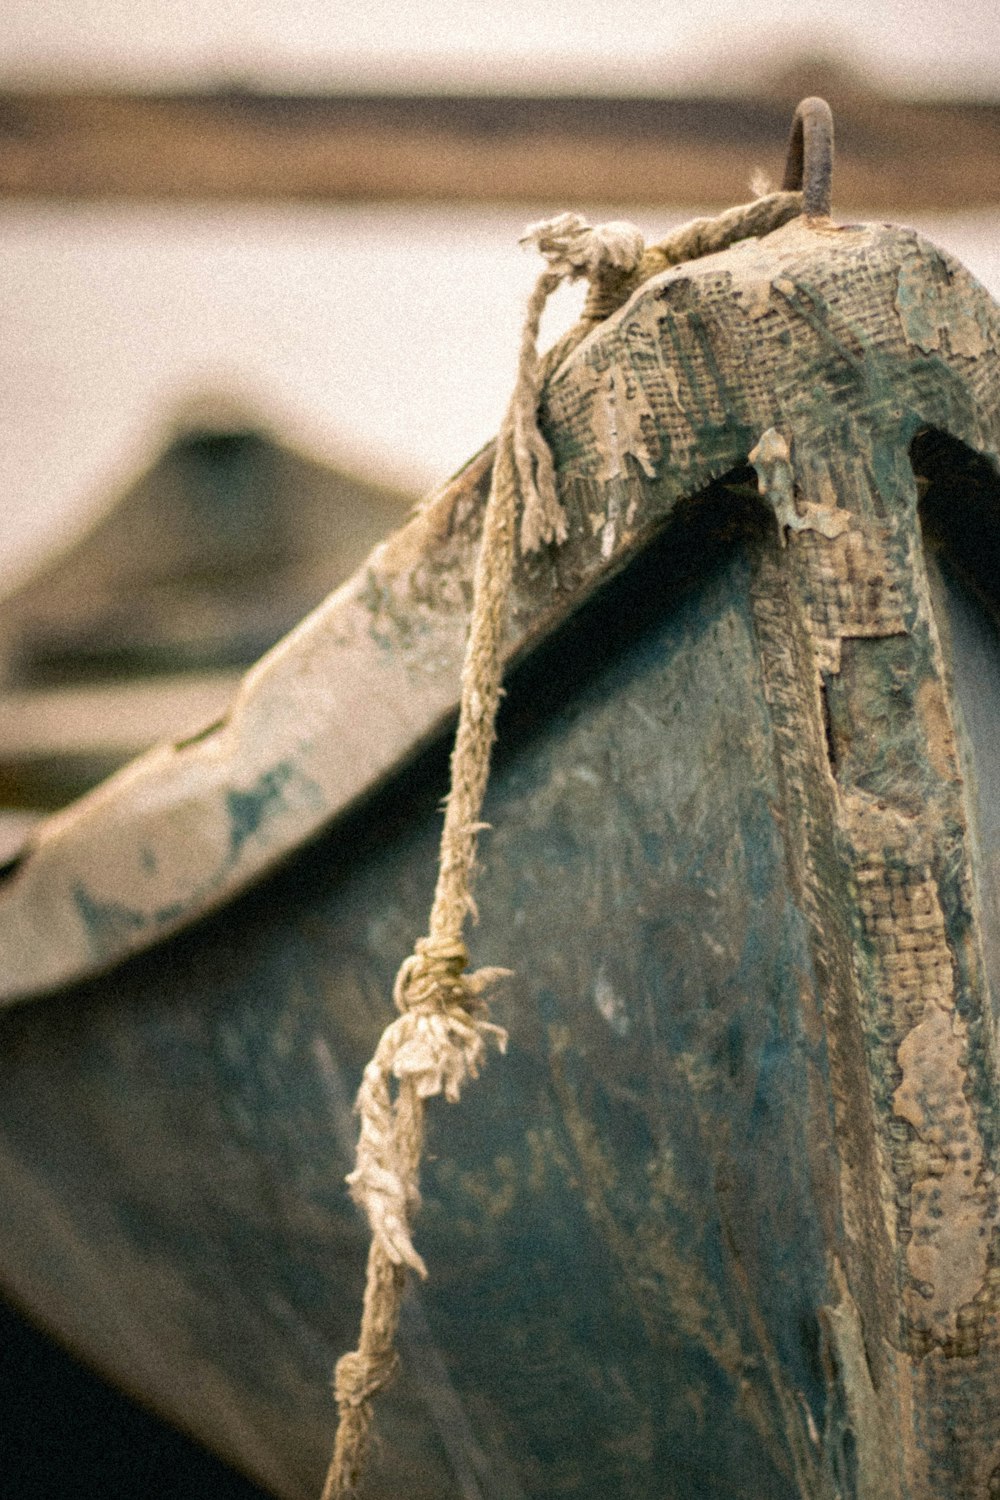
(382,337)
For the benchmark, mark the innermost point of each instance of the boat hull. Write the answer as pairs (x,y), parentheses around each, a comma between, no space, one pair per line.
(722,1221)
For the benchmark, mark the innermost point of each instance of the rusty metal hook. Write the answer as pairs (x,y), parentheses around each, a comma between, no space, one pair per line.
(809,163)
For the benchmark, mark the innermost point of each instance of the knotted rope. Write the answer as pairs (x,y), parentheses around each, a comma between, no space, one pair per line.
(441,1035)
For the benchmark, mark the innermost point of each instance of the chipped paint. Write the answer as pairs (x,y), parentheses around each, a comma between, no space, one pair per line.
(106,922)
(274,792)
(623,423)
(772,460)
(610,1004)
(947,1254)
(895,828)
(934,305)
(752,288)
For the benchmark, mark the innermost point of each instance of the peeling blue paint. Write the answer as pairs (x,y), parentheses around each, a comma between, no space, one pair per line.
(250,810)
(107,923)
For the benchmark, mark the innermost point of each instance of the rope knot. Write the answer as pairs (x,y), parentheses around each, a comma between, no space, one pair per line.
(574,248)
(437,1042)
(359,1377)
(440,1037)
(434,974)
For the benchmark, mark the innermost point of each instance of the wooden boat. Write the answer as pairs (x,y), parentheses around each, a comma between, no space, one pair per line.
(724,1221)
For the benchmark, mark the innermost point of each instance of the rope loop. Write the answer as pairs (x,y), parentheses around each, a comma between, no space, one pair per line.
(609,256)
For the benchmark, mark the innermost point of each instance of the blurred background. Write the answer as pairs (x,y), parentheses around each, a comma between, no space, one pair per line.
(260,288)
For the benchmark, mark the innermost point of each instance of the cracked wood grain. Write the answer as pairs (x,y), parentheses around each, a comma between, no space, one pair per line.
(892,846)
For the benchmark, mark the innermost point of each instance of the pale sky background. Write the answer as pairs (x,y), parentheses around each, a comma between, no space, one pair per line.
(920,47)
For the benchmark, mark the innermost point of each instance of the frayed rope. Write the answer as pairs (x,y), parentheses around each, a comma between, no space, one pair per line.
(436,1043)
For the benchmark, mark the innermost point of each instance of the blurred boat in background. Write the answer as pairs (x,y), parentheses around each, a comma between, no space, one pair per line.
(140,631)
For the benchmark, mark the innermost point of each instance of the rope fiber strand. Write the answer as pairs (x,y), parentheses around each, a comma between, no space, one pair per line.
(442,1033)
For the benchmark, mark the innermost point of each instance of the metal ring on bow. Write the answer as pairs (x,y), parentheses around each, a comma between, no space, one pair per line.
(809,163)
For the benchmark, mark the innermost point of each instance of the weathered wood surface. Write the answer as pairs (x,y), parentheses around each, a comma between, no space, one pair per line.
(725,1220)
